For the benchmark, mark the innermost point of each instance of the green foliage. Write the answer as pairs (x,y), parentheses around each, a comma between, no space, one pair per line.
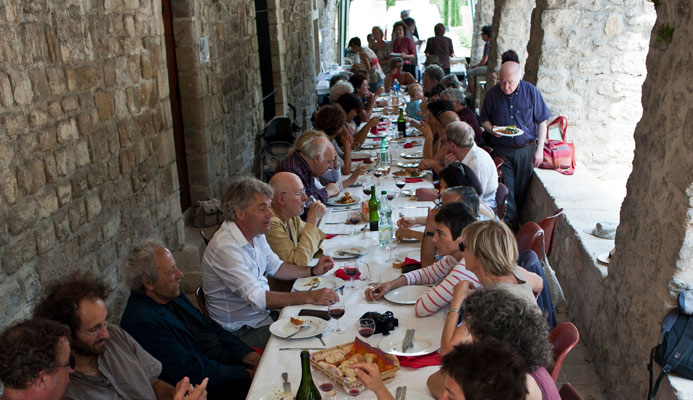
(466,41)
(665,32)
(450,11)
(389,3)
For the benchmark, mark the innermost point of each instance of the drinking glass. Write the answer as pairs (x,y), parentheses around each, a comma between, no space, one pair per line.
(366,327)
(325,382)
(366,186)
(400,183)
(355,219)
(373,281)
(336,311)
(352,269)
(353,386)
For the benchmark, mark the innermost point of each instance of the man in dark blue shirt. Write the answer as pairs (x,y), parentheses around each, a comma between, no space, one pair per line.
(516,102)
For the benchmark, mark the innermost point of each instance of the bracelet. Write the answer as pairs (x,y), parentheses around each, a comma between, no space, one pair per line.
(453,310)
(311,271)
(428,234)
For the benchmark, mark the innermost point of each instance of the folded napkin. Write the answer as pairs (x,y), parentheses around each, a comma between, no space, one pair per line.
(408,145)
(408,261)
(413,180)
(420,361)
(362,159)
(342,275)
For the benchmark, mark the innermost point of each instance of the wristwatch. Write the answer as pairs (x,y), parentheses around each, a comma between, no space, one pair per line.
(428,234)
(311,271)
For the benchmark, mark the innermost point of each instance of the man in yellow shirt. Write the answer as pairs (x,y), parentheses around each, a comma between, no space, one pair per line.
(292,239)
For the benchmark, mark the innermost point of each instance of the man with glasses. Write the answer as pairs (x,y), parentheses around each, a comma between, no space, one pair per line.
(290,238)
(514,102)
(238,260)
(109,363)
(35,361)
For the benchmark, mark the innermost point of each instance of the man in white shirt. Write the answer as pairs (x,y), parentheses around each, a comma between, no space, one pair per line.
(236,261)
(461,147)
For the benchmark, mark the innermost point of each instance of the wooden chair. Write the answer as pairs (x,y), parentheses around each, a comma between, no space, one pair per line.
(499,161)
(568,392)
(201,302)
(501,198)
(563,338)
(548,224)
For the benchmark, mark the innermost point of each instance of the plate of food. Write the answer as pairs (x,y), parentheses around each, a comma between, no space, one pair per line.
(300,328)
(370,146)
(277,393)
(317,282)
(508,131)
(346,199)
(414,143)
(408,165)
(345,251)
(412,155)
(406,294)
(422,344)
(403,173)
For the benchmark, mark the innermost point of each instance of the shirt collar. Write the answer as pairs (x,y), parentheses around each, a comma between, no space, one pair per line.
(235,233)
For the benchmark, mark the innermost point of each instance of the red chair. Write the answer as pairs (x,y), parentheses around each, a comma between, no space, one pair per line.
(530,237)
(499,161)
(201,302)
(563,338)
(488,149)
(548,224)
(501,197)
(568,392)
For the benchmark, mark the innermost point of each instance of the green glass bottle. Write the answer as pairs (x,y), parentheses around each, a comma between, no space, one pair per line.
(401,124)
(373,206)
(307,390)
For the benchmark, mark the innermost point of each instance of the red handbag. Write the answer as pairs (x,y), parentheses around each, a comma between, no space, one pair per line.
(559,155)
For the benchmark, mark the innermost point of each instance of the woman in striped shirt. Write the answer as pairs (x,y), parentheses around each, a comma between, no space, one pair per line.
(446,273)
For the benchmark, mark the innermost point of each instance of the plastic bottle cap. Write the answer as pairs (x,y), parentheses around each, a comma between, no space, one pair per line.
(383,192)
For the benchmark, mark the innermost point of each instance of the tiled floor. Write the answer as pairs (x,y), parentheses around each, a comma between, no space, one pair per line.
(578,370)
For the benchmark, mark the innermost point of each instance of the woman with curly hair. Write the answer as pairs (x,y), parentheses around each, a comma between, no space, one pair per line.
(500,314)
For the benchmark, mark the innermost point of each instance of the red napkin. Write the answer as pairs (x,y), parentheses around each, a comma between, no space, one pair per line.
(413,180)
(361,159)
(420,361)
(408,261)
(342,275)
(408,145)
(330,236)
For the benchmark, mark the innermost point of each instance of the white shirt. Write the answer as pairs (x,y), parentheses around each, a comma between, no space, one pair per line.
(233,278)
(483,166)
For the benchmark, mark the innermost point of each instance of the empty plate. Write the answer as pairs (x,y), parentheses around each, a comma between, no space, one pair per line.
(423,343)
(284,327)
(406,294)
(324,282)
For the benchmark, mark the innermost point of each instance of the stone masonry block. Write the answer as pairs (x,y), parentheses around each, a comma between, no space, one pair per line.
(47,202)
(70,103)
(29,283)
(11,300)
(93,205)
(90,240)
(64,193)
(77,215)
(20,250)
(21,88)
(21,217)
(31,176)
(87,77)
(104,104)
(6,95)
(79,184)
(8,187)
(67,131)
(7,154)
(81,153)
(45,237)
(112,226)
(56,80)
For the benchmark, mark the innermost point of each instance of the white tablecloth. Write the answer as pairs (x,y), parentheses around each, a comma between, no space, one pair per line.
(274,361)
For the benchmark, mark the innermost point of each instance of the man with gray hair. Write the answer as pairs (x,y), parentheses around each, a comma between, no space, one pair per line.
(166,324)
(237,259)
(432,76)
(310,162)
(456,97)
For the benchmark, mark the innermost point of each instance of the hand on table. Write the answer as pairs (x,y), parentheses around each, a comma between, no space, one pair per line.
(322,297)
(406,233)
(325,263)
(316,211)
(360,170)
(251,359)
(404,222)
(332,189)
(184,390)
(379,91)
(377,293)
(425,194)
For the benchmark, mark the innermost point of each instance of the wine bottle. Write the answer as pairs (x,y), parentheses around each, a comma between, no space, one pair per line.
(307,390)
(401,124)
(373,206)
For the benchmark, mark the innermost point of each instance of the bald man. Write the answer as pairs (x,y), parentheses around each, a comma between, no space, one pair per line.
(516,102)
(292,239)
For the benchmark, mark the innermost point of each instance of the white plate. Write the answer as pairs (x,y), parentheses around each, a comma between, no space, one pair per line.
(409,192)
(326,282)
(408,165)
(498,130)
(334,201)
(412,155)
(277,393)
(424,343)
(370,146)
(406,294)
(414,143)
(415,174)
(334,252)
(284,327)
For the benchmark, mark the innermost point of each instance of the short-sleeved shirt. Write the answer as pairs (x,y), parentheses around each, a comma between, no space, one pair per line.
(128,371)
(524,108)
(405,46)
(296,164)
(483,166)
(233,278)
(440,46)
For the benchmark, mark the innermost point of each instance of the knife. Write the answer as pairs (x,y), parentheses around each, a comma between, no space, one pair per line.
(398,394)
(404,393)
(287,385)
(408,339)
(349,253)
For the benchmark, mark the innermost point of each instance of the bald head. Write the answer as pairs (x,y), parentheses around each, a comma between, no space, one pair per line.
(448,117)
(510,76)
(284,182)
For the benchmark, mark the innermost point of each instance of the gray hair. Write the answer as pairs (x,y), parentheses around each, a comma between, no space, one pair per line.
(434,71)
(240,194)
(468,198)
(453,95)
(460,133)
(315,146)
(450,81)
(340,88)
(140,264)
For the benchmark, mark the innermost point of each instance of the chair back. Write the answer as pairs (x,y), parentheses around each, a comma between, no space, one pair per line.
(563,338)
(501,198)
(499,161)
(548,224)
(530,237)
(201,302)
(568,392)
(204,236)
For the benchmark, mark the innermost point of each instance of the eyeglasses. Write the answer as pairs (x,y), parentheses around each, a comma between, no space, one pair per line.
(70,363)
(299,194)
(93,332)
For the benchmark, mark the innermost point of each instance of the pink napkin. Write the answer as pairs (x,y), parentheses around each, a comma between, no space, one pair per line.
(342,275)
(420,361)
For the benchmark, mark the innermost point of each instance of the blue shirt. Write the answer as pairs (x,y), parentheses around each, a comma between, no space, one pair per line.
(524,108)
(412,108)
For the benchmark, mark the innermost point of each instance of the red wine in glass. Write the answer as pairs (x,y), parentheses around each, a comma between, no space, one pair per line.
(336,313)
(354,219)
(351,272)
(377,173)
(390,196)
(354,392)
(326,387)
(367,191)
(400,184)
(366,332)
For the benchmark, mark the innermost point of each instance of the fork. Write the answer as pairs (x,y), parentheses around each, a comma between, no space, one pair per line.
(300,329)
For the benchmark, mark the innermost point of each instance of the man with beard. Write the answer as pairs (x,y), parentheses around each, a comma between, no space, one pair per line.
(109,364)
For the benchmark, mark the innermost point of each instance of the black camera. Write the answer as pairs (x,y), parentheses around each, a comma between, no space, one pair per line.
(384,323)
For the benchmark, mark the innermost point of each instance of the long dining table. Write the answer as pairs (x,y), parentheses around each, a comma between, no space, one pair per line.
(283,355)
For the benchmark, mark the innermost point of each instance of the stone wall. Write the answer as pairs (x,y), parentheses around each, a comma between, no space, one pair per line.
(588,60)
(221,100)
(511,25)
(483,15)
(86,144)
(328,31)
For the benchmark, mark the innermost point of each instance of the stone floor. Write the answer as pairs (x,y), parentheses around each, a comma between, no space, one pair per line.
(578,370)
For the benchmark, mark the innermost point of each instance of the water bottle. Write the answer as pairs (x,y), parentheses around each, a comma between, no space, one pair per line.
(396,85)
(383,152)
(307,390)
(385,220)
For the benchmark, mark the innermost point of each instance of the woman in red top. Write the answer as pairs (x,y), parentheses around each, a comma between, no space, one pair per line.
(404,78)
(404,46)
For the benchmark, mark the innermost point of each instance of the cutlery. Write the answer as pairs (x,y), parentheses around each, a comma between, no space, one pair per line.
(349,253)
(300,329)
(404,393)
(301,348)
(408,339)
(398,393)
(287,385)
(319,336)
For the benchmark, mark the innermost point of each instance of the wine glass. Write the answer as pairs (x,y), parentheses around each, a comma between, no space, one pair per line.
(373,281)
(366,186)
(336,311)
(351,269)
(354,219)
(400,183)
(378,172)
(366,327)
(325,383)
(352,386)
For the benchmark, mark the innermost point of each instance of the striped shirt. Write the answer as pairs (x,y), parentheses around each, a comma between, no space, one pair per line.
(445,273)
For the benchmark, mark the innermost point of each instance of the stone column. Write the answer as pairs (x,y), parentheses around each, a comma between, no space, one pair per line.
(483,15)
(511,23)
(328,31)
(588,62)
